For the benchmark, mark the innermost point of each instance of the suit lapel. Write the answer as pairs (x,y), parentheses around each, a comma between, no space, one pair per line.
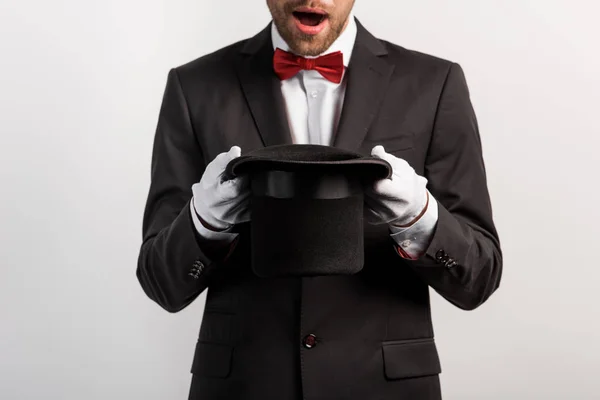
(262,90)
(368,77)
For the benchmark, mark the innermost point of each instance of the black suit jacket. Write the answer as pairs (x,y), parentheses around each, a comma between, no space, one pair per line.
(374,335)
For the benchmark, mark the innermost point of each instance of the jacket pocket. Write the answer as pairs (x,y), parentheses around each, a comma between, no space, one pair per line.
(410,358)
(212,360)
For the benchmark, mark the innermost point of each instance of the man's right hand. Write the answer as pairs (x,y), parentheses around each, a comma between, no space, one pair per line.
(221,203)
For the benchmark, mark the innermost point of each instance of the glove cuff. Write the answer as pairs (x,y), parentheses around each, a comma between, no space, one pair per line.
(412,218)
(208,221)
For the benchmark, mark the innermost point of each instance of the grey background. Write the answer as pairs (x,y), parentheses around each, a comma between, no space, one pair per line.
(80,88)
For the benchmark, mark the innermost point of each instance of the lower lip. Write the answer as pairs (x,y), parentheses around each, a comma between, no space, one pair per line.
(310,30)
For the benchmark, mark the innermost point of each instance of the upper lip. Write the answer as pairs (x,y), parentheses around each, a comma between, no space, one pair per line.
(310,10)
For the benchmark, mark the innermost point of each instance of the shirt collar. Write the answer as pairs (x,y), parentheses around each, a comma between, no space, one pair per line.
(344,42)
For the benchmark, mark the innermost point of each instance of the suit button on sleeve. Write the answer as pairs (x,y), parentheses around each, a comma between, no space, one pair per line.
(196,269)
(198,265)
(440,256)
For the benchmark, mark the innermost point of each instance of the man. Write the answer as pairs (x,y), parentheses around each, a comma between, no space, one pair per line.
(364,336)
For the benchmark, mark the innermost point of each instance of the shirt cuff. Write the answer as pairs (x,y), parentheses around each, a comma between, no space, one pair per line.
(222,236)
(414,240)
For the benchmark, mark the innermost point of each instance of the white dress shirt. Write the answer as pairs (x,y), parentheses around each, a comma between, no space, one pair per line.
(313,105)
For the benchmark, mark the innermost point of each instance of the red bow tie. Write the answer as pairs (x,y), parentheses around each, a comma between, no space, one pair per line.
(331,66)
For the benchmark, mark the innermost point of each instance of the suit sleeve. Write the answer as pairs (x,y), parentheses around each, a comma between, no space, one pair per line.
(175,263)
(463,261)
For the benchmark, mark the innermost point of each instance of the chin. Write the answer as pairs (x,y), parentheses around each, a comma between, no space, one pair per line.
(312,45)
(306,49)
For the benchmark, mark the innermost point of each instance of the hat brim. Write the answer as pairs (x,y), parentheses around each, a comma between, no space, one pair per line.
(310,159)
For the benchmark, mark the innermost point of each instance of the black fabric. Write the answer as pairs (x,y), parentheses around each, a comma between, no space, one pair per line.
(216,359)
(307,208)
(416,106)
(307,237)
(309,157)
(410,358)
(287,185)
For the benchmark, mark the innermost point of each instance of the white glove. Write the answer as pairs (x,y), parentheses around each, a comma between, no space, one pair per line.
(222,203)
(399,199)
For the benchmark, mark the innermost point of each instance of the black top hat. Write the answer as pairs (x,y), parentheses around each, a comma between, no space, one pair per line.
(307,208)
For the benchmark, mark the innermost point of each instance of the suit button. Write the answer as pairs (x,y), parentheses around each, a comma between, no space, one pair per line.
(441,256)
(310,341)
(451,263)
(198,265)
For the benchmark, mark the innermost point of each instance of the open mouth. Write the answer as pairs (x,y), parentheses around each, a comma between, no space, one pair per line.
(309,17)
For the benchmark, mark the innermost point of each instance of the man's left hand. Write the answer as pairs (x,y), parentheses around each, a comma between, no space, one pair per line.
(400,200)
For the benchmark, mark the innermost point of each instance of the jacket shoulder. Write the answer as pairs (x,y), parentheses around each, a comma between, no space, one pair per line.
(416,61)
(212,66)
